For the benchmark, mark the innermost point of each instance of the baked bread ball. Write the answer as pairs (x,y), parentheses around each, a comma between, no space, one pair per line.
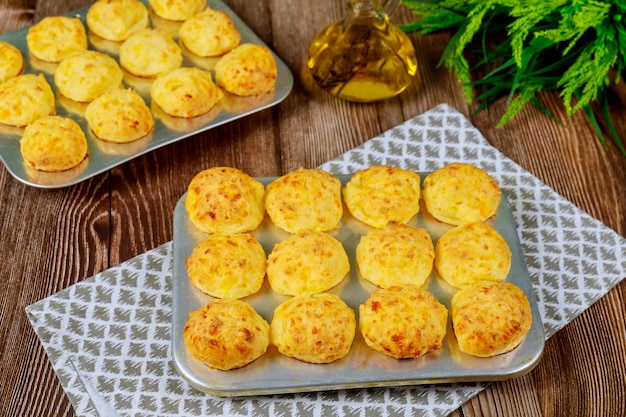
(185,92)
(227,266)
(247,70)
(176,9)
(209,33)
(150,52)
(308,262)
(116,20)
(472,253)
(403,322)
(381,193)
(490,318)
(461,193)
(24,99)
(395,254)
(226,334)
(316,328)
(55,37)
(85,75)
(53,144)
(305,199)
(225,200)
(11,61)
(119,116)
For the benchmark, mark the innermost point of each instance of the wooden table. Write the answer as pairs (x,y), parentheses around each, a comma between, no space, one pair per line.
(51,239)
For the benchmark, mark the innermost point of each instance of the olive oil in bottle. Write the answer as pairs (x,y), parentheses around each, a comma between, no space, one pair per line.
(365,57)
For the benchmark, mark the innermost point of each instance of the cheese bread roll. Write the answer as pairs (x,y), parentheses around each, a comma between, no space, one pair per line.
(53,144)
(403,322)
(395,254)
(11,61)
(247,70)
(185,92)
(119,116)
(381,193)
(317,328)
(225,200)
(85,75)
(24,99)
(461,193)
(116,20)
(490,318)
(308,262)
(472,253)
(227,266)
(55,37)
(305,199)
(209,33)
(150,52)
(226,334)
(177,10)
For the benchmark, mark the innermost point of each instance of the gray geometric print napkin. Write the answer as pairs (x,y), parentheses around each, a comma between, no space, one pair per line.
(108,337)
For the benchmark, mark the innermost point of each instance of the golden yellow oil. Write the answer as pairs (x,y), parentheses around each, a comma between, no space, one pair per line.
(363,59)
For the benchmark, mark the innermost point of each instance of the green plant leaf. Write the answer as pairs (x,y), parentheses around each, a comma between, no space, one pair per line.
(518,48)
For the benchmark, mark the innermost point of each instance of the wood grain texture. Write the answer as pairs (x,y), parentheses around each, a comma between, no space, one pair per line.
(51,239)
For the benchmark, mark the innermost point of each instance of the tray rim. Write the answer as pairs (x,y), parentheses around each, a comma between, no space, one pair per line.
(536,336)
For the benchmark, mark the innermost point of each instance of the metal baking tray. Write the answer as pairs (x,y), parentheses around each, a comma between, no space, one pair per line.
(363,367)
(104,155)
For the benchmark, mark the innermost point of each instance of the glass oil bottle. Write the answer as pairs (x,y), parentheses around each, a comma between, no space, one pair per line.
(364,57)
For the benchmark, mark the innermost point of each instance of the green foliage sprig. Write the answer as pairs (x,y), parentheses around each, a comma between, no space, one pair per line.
(523,47)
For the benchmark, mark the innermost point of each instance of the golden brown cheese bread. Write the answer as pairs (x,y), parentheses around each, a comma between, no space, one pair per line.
(119,116)
(53,144)
(185,92)
(305,199)
(55,37)
(150,52)
(247,70)
(395,254)
(85,75)
(225,200)
(11,61)
(490,318)
(403,322)
(472,253)
(317,328)
(381,193)
(227,266)
(226,334)
(177,10)
(209,33)
(24,99)
(308,262)
(461,193)
(116,20)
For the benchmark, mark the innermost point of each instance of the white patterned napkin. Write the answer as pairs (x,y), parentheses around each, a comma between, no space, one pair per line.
(108,337)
